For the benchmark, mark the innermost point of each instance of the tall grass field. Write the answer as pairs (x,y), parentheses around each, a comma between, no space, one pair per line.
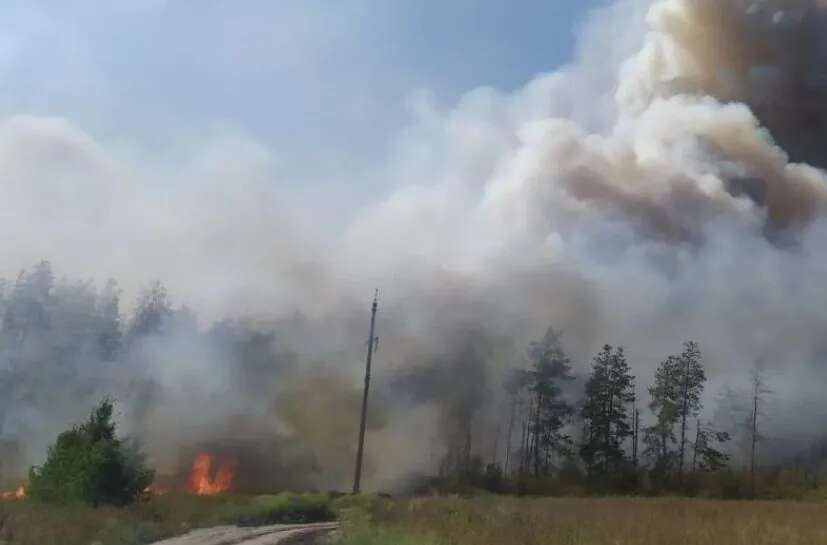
(480,520)
(612,521)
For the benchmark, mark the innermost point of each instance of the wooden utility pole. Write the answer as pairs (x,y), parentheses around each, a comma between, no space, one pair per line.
(756,394)
(759,392)
(372,341)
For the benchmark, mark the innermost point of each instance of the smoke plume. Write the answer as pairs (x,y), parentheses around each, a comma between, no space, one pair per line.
(667,185)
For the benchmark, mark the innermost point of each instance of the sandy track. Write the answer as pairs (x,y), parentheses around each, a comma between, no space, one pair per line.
(262,535)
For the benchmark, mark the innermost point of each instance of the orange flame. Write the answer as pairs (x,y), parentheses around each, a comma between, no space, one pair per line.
(18,494)
(200,481)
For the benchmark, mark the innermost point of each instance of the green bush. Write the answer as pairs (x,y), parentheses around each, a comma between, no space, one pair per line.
(281,508)
(90,464)
(371,504)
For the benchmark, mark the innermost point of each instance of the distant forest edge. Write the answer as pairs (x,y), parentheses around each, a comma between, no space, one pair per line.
(64,345)
(598,443)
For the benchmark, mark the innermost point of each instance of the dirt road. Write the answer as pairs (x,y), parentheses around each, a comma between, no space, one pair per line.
(262,535)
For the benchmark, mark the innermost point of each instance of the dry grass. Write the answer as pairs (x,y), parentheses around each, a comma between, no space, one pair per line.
(32,523)
(485,520)
(611,521)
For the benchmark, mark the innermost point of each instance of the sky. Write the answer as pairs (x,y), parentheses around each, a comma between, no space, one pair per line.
(324,84)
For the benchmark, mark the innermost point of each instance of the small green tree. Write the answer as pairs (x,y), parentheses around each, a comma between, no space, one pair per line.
(707,452)
(90,464)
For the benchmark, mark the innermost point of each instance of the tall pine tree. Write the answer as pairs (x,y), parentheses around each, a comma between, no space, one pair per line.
(676,398)
(659,437)
(692,378)
(609,390)
(551,412)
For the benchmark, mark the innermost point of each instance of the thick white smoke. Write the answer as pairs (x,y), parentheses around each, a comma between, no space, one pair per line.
(646,194)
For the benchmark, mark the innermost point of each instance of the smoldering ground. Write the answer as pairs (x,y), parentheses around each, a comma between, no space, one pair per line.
(665,185)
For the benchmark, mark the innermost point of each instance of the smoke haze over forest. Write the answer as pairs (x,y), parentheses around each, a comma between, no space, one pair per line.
(667,184)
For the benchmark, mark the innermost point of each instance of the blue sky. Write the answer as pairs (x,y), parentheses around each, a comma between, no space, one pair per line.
(300,75)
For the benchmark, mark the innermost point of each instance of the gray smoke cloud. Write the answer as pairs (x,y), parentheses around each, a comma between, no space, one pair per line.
(666,185)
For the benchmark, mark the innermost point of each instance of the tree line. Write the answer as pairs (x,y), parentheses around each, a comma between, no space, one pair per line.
(602,436)
(66,343)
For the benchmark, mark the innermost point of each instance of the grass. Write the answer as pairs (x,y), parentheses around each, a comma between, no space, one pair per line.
(282,508)
(481,520)
(31,523)
(365,521)
(494,520)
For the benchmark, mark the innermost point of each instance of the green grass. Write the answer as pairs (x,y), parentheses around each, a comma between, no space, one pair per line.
(281,508)
(493,520)
(362,523)
(29,522)
(385,536)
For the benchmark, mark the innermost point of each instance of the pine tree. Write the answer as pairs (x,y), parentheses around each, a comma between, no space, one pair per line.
(90,463)
(692,378)
(152,310)
(659,436)
(609,390)
(707,454)
(27,305)
(550,367)
(676,397)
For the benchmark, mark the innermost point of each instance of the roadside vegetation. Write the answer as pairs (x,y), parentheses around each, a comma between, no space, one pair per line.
(93,489)
(498,520)
(90,464)
(484,519)
(32,522)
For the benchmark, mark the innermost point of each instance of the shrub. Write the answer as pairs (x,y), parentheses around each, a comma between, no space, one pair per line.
(90,464)
(285,508)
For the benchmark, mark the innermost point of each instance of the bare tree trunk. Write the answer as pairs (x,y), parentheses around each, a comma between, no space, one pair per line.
(755,395)
(695,447)
(467,453)
(684,414)
(527,416)
(508,438)
(590,465)
(537,435)
(635,433)
(610,416)
(496,444)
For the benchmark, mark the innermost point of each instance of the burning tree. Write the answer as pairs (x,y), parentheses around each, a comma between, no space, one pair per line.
(90,464)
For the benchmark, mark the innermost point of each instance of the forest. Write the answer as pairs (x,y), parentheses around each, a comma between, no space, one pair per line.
(64,345)
(606,439)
